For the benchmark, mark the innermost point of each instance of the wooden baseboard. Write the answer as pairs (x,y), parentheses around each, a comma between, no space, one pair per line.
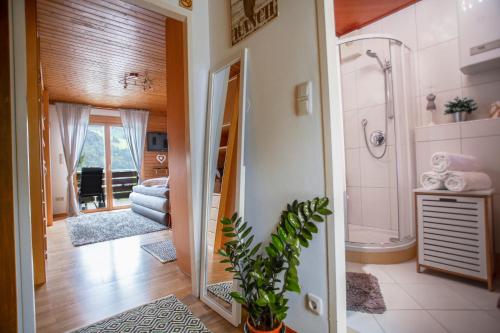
(60,216)
(393,257)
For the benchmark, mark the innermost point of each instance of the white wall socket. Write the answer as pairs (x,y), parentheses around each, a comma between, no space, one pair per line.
(315,304)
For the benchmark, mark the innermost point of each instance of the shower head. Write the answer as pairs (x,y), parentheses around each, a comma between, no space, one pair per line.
(373,54)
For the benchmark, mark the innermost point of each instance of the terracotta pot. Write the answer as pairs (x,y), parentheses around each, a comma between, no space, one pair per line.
(251,329)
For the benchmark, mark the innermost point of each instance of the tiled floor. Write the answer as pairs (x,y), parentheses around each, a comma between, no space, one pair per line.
(427,303)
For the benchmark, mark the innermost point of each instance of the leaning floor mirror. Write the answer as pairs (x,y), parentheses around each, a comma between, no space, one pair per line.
(224,180)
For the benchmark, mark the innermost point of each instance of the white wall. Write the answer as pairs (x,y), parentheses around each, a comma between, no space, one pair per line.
(58,170)
(430,28)
(284,159)
(480,138)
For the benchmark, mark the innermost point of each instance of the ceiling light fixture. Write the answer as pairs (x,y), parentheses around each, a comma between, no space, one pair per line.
(136,79)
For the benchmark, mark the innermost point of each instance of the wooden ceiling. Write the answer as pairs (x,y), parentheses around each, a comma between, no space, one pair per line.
(86,47)
(354,14)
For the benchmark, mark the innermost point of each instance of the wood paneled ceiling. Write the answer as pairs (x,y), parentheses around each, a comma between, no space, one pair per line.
(354,14)
(86,47)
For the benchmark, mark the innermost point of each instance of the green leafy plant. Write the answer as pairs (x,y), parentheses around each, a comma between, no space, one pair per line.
(264,278)
(460,105)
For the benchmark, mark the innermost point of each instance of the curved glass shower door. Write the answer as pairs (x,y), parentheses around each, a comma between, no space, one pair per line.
(376,105)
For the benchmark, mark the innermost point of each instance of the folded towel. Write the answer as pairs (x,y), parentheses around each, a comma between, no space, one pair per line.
(458,181)
(150,214)
(162,181)
(432,180)
(442,162)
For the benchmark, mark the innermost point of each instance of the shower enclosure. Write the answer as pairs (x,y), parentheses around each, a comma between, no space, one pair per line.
(378,107)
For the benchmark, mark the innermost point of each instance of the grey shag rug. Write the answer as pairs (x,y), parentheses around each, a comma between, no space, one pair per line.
(99,227)
(164,250)
(221,290)
(166,314)
(363,293)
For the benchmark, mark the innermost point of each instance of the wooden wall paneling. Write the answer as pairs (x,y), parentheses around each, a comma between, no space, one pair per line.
(178,132)
(157,123)
(228,188)
(46,158)
(354,14)
(87,46)
(8,304)
(35,146)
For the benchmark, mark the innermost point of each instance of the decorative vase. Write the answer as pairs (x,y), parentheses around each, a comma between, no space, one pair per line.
(250,329)
(460,116)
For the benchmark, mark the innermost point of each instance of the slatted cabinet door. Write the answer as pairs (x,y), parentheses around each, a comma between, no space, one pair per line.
(452,234)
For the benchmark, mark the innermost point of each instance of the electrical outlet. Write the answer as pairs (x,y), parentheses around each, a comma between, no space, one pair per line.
(315,304)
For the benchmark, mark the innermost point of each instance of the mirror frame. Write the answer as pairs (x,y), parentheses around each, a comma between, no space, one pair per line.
(234,317)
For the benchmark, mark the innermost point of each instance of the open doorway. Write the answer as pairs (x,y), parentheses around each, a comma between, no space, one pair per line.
(125,241)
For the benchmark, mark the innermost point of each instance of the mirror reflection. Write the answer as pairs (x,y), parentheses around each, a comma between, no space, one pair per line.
(223,197)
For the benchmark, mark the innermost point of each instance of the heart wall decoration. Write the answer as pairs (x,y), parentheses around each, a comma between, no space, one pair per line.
(161,158)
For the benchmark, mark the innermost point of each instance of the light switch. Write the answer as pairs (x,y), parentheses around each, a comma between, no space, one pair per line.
(315,304)
(304,98)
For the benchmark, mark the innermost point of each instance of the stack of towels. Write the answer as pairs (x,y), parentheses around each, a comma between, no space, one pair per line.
(455,172)
(150,199)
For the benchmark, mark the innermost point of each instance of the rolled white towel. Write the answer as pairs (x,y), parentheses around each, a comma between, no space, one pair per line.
(442,162)
(458,181)
(432,180)
(162,181)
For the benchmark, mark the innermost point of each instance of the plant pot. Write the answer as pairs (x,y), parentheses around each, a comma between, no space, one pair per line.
(250,329)
(460,116)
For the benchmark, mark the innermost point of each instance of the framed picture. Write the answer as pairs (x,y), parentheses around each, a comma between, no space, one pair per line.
(248,16)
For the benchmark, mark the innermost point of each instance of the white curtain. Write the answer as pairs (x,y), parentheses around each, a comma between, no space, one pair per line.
(135,124)
(73,123)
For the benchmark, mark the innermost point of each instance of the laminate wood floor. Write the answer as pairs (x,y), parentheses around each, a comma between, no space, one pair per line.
(88,283)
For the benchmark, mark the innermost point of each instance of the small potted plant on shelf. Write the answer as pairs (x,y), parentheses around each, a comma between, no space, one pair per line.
(460,107)
(266,276)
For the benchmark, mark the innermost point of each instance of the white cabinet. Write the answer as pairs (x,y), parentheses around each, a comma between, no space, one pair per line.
(455,233)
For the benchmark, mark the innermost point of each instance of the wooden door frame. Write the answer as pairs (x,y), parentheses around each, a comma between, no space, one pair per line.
(198,65)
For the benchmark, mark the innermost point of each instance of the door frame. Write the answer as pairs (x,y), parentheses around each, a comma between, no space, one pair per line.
(198,66)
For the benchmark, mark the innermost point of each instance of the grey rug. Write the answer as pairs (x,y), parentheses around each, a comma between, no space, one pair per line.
(164,250)
(166,314)
(363,293)
(100,227)
(221,290)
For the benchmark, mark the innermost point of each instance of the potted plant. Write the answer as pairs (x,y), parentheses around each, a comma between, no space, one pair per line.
(460,107)
(266,276)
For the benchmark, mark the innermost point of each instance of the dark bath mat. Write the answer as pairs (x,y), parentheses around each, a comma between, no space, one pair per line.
(363,293)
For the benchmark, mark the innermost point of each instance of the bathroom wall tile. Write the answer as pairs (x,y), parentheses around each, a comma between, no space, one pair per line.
(484,95)
(438,132)
(375,202)
(402,25)
(352,167)
(480,78)
(489,158)
(439,68)
(354,210)
(424,151)
(351,129)
(370,85)
(478,128)
(349,91)
(374,173)
(375,116)
(437,21)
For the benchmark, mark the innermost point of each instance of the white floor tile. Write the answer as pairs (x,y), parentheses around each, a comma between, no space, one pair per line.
(396,298)
(477,293)
(363,322)
(376,270)
(437,297)
(495,314)
(407,273)
(466,321)
(408,321)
